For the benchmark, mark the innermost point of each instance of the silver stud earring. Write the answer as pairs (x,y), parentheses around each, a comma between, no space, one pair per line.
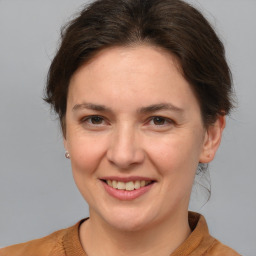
(67,155)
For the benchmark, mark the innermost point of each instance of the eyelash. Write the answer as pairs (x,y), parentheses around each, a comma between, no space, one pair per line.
(166,121)
(89,121)
(87,118)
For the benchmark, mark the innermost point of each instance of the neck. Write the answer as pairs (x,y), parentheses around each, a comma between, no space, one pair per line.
(159,240)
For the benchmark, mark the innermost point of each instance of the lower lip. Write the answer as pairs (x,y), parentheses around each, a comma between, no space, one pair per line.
(126,195)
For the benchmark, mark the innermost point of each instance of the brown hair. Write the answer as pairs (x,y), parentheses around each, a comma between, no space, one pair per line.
(172,25)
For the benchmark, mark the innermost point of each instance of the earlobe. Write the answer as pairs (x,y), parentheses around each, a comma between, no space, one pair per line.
(212,140)
(67,155)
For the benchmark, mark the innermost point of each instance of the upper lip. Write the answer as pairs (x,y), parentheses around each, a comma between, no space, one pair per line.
(126,179)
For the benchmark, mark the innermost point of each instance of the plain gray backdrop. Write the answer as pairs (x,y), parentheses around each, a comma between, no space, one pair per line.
(37,192)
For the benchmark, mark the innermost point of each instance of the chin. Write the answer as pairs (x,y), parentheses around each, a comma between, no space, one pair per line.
(129,219)
(128,224)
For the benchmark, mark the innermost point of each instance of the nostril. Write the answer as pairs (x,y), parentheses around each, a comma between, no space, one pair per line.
(124,159)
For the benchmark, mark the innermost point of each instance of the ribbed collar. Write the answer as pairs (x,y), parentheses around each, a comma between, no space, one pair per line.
(198,241)
(71,241)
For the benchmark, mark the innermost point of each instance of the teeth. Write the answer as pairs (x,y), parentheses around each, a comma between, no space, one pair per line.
(129,186)
(114,184)
(120,185)
(137,184)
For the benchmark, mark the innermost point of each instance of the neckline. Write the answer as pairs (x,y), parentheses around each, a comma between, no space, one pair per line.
(73,247)
(71,241)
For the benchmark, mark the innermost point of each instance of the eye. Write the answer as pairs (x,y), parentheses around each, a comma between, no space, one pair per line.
(96,120)
(93,120)
(160,121)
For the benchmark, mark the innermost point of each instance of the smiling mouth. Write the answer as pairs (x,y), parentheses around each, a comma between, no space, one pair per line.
(128,186)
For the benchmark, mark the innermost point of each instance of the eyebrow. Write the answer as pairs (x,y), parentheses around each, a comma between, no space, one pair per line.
(144,110)
(91,106)
(158,107)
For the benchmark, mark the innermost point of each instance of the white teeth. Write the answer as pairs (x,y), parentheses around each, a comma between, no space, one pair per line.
(120,185)
(137,184)
(114,184)
(129,186)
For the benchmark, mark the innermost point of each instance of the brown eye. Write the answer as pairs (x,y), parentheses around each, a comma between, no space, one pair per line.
(93,120)
(159,120)
(96,120)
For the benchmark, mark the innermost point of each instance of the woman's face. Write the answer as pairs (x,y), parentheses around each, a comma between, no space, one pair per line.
(135,136)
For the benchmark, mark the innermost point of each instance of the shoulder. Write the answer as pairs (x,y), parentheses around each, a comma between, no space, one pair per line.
(40,247)
(201,242)
(46,246)
(217,249)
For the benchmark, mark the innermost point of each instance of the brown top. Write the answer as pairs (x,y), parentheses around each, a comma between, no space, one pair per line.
(66,242)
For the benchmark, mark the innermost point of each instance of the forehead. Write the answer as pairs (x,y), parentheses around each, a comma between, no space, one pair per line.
(132,75)
(143,54)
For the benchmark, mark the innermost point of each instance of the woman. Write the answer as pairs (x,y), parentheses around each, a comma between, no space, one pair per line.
(142,89)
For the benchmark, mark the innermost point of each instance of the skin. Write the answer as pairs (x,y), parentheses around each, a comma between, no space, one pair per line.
(127,140)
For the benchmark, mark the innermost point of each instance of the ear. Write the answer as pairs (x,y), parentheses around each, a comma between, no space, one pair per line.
(212,140)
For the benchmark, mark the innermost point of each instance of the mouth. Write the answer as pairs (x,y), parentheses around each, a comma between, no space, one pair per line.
(129,185)
(127,189)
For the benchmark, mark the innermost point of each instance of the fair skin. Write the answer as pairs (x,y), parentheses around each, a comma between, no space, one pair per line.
(132,118)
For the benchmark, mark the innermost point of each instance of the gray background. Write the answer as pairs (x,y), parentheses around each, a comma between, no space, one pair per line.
(37,192)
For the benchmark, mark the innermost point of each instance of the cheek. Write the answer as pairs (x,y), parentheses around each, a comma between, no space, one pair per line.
(175,156)
(86,154)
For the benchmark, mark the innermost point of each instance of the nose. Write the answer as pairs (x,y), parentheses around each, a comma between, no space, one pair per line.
(125,149)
